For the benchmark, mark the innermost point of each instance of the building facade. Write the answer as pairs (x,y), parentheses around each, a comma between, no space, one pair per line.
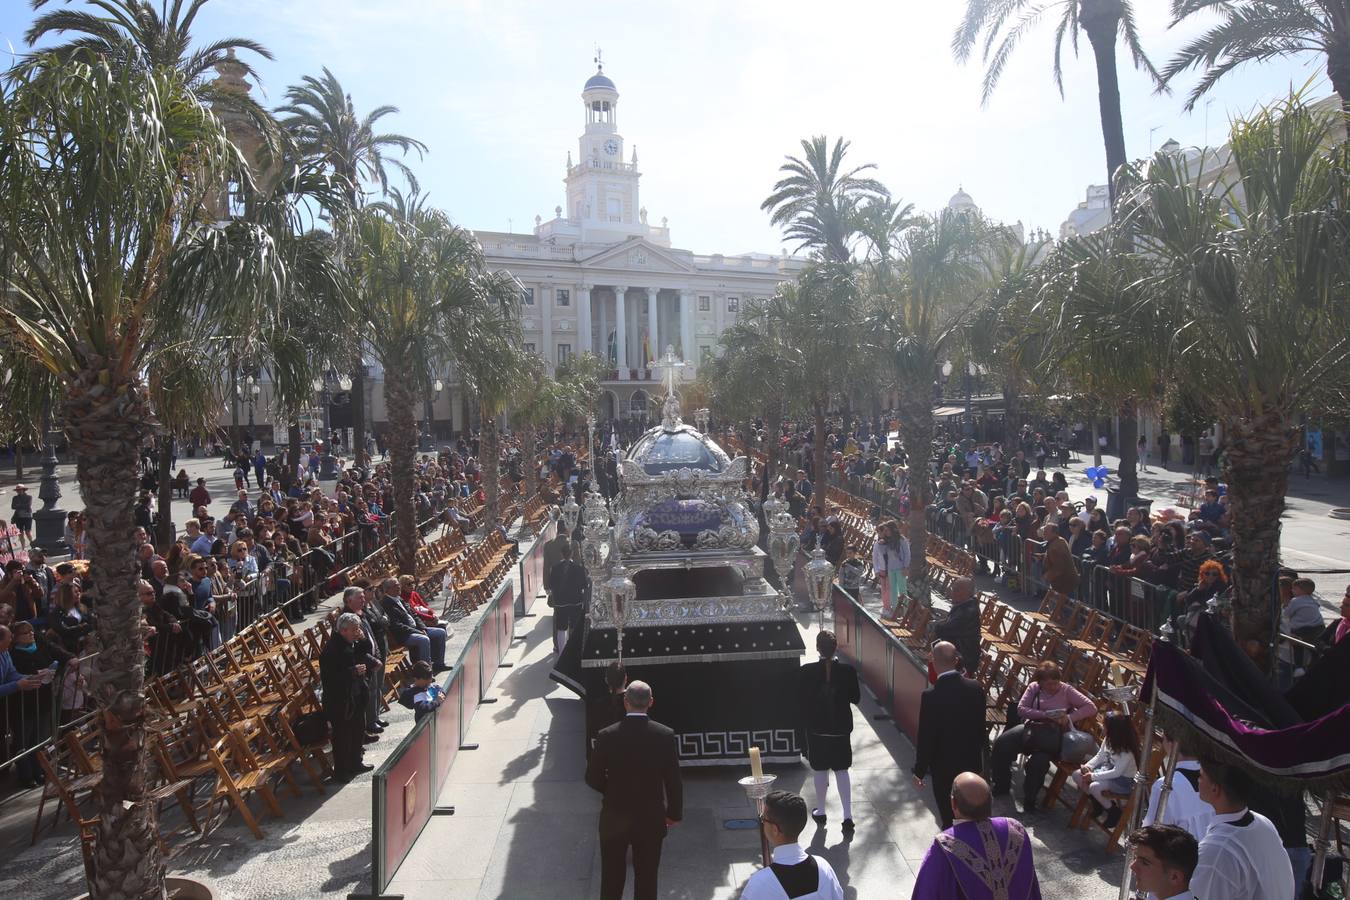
(599,277)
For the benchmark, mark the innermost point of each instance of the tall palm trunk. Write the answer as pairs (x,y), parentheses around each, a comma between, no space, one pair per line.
(916,432)
(1257,456)
(1012,414)
(164,533)
(18,460)
(1096,445)
(820,476)
(402,450)
(1101,21)
(108,421)
(292,454)
(358,448)
(1338,72)
(1129,450)
(773,421)
(490,460)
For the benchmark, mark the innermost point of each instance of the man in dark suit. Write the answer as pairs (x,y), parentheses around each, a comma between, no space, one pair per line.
(951,729)
(962,628)
(636,766)
(570,594)
(424,642)
(343,674)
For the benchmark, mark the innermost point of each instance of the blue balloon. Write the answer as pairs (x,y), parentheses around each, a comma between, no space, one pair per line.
(1103,471)
(1089,471)
(1099,484)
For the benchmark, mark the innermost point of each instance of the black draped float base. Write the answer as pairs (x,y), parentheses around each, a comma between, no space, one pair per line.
(722,688)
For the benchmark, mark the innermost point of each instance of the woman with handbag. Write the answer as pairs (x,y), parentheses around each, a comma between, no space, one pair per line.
(1047,709)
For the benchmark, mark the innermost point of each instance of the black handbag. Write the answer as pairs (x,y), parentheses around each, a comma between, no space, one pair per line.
(310,728)
(1039,736)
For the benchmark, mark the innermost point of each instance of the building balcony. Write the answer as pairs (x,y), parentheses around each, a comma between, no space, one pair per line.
(603,165)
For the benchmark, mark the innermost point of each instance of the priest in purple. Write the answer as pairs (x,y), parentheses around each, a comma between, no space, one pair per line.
(979,857)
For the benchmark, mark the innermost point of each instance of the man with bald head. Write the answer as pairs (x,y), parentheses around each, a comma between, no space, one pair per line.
(979,857)
(962,625)
(951,729)
(636,766)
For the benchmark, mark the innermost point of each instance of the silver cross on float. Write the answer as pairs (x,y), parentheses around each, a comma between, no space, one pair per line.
(670,368)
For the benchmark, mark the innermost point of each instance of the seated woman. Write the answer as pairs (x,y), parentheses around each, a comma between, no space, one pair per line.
(407,590)
(1047,707)
(181,484)
(1112,769)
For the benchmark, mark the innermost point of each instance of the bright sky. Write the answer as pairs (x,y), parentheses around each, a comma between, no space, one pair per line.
(715,93)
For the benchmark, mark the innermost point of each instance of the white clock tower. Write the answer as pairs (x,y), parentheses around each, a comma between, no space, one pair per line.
(602,189)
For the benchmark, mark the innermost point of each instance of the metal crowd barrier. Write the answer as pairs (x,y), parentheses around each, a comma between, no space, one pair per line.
(36,718)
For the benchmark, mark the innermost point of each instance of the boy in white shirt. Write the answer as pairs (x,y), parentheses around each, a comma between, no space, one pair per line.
(794,873)
(1241,856)
(1165,857)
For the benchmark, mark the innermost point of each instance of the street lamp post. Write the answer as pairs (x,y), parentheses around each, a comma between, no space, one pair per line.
(51,519)
(427,442)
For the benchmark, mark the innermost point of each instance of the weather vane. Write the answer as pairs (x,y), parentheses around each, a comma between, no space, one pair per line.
(599,64)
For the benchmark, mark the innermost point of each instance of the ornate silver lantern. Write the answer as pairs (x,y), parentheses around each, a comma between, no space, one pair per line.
(819,573)
(783,544)
(701,417)
(571,512)
(595,527)
(620,591)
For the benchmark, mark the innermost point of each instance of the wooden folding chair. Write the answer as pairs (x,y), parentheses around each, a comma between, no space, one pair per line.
(65,781)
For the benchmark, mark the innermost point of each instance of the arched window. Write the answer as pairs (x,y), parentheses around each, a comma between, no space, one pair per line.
(638,404)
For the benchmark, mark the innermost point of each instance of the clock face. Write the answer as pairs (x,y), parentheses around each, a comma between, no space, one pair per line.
(611,146)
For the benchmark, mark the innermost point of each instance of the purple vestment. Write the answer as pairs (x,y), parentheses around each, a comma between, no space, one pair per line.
(988,860)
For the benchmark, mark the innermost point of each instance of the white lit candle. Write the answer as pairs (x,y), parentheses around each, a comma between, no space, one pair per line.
(756,769)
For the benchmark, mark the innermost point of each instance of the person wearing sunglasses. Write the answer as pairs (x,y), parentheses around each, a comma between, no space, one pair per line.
(793,872)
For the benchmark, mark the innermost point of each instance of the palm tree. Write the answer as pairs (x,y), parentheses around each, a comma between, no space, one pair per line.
(816,200)
(322,120)
(1259,30)
(997,26)
(1002,334)
(817,320)
(1246,291)
(112,265)
(753,376)
(918,316)
(127,30)
(1086,278)
(423,297)
(494,368)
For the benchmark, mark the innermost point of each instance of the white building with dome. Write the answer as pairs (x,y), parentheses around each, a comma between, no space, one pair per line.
(600,277)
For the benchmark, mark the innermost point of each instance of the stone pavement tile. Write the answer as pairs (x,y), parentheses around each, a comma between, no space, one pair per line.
(458,847)
(575,797)
(541,855)
(866,867)
(441,889)
(497,761)
(471,799)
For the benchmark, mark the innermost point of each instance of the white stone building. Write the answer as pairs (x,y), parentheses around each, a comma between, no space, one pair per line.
(599,277)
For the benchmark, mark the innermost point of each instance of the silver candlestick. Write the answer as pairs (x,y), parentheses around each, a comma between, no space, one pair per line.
(756,789)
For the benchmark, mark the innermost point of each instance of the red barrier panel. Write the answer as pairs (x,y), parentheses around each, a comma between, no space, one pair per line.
(874,661)
(407,790)
(532,567)
(845,624)
(908,681)
(450,720)
(472,664)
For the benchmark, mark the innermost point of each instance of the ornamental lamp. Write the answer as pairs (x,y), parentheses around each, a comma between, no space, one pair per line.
(344,382)
(701,417)
(819,573)
(317,384)
(620,591)
(783,545)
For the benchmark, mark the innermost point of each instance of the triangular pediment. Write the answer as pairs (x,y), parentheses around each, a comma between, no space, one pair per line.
(636,255)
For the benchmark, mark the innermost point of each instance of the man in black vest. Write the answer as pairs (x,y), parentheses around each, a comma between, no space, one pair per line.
(636,766)
(571,591)
(793,874)
(952,731)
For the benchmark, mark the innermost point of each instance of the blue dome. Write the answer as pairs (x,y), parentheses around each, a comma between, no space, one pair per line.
(599,80)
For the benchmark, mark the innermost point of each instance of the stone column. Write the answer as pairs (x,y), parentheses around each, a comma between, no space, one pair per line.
(584,319)
(545,348)
(621,329)
(653,331)
(687,326)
